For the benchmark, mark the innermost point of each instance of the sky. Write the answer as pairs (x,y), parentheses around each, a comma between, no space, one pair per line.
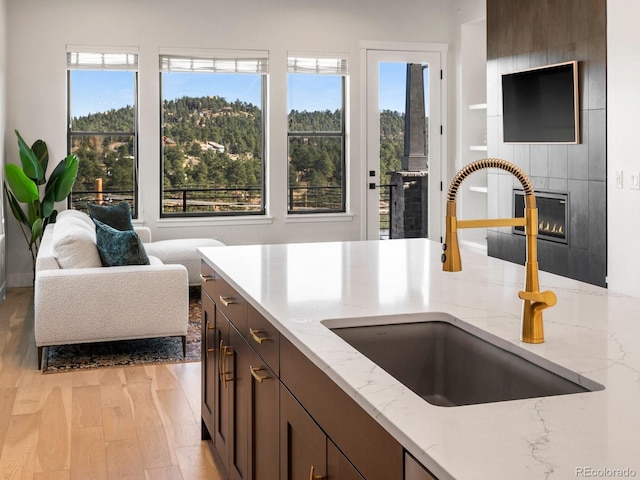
(99,91)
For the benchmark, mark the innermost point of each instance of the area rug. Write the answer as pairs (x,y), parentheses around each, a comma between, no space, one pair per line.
(67,358)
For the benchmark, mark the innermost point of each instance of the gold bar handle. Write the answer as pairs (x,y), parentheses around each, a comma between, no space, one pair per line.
(226,301)
(224,353)
(220,359)
(312,476)
(206,339)
(254,335)
(254,374)
(207,278)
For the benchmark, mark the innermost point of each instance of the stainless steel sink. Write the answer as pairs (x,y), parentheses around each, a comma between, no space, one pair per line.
(450,364)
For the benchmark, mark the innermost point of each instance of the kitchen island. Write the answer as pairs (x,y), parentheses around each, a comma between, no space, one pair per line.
(299,288)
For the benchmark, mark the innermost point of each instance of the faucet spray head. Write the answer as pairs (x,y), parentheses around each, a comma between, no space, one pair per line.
(451,261)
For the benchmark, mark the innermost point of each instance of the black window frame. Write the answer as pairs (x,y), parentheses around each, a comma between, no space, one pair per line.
(262,210)
(342,133)
(135,197)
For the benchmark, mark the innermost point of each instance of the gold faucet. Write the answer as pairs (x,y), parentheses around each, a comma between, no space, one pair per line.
(534,301)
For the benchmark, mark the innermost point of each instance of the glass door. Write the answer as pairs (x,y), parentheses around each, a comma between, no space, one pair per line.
(387,88)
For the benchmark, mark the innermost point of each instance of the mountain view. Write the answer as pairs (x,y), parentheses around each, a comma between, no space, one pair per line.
(213,147)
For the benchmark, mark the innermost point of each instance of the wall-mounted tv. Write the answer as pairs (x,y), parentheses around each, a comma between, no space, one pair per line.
(540,105)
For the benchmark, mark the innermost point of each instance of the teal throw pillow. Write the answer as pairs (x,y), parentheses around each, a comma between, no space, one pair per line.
(119,247)
(117,215)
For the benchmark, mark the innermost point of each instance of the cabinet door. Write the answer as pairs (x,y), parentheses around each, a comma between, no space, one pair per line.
(303,446)
(209,369)
(264,415)
(238,383)
(224,382)
(338,467)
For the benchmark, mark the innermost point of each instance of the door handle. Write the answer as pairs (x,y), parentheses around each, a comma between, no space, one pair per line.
(373,186)
(312,476)
(254,373)
(226,301)
(254,335)
(206,339)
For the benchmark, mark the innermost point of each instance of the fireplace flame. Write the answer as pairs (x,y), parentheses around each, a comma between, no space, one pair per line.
(546,227)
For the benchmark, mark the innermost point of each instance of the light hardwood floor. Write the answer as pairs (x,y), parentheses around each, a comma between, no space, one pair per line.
(112,423)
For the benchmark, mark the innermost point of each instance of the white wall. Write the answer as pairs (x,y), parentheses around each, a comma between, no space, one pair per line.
(37,91)
(623,105)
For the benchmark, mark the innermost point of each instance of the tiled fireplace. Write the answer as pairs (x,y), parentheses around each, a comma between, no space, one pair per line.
(553,215)
(523,35)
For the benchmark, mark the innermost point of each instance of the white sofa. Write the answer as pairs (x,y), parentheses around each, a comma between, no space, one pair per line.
(77,300)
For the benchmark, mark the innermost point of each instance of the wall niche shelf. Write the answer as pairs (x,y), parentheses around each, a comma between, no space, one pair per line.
(473,130)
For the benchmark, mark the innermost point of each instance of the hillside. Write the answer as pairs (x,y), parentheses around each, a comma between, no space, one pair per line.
(211,142)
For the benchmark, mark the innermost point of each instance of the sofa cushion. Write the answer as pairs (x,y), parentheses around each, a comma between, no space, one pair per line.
(119,247)
(77,214)
(183,251)
(117,215)
(74,243)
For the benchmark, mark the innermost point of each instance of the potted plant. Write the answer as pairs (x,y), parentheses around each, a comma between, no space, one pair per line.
(24,185)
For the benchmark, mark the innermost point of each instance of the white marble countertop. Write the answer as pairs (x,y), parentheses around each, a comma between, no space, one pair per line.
(590,331)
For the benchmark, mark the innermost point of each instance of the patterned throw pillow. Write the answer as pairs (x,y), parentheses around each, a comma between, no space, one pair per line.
(119,247)
(117,215)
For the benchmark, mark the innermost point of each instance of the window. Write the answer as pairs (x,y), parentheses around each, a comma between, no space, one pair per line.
(103,126)
(316,134)
(213,144)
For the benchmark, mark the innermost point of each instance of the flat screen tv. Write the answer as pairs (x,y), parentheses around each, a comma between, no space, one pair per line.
(540,105)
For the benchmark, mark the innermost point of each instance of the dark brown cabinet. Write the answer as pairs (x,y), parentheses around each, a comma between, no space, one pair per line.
(264,400)
(305,450)
(240,393)
(303,445)
(338,466)
(209,369)
(271,414)
(236,379)
(224,387)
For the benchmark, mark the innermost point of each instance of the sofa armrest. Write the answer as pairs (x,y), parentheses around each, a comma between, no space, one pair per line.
(144,233)
(110,303)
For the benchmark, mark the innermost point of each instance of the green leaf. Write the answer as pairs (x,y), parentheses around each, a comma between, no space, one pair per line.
(23,187)
(48,204)
(51,219)
(30,163)
(16,208)
(36,231)
(63,177)
(33,213)
(39,148)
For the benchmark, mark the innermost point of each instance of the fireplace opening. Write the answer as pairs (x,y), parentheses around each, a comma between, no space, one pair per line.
(553,215)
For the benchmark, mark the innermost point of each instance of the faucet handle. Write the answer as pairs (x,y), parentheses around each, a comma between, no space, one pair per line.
(547,298)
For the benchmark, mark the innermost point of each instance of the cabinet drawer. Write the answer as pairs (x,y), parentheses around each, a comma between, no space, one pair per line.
(264,338)
(225,296)
(207,278)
